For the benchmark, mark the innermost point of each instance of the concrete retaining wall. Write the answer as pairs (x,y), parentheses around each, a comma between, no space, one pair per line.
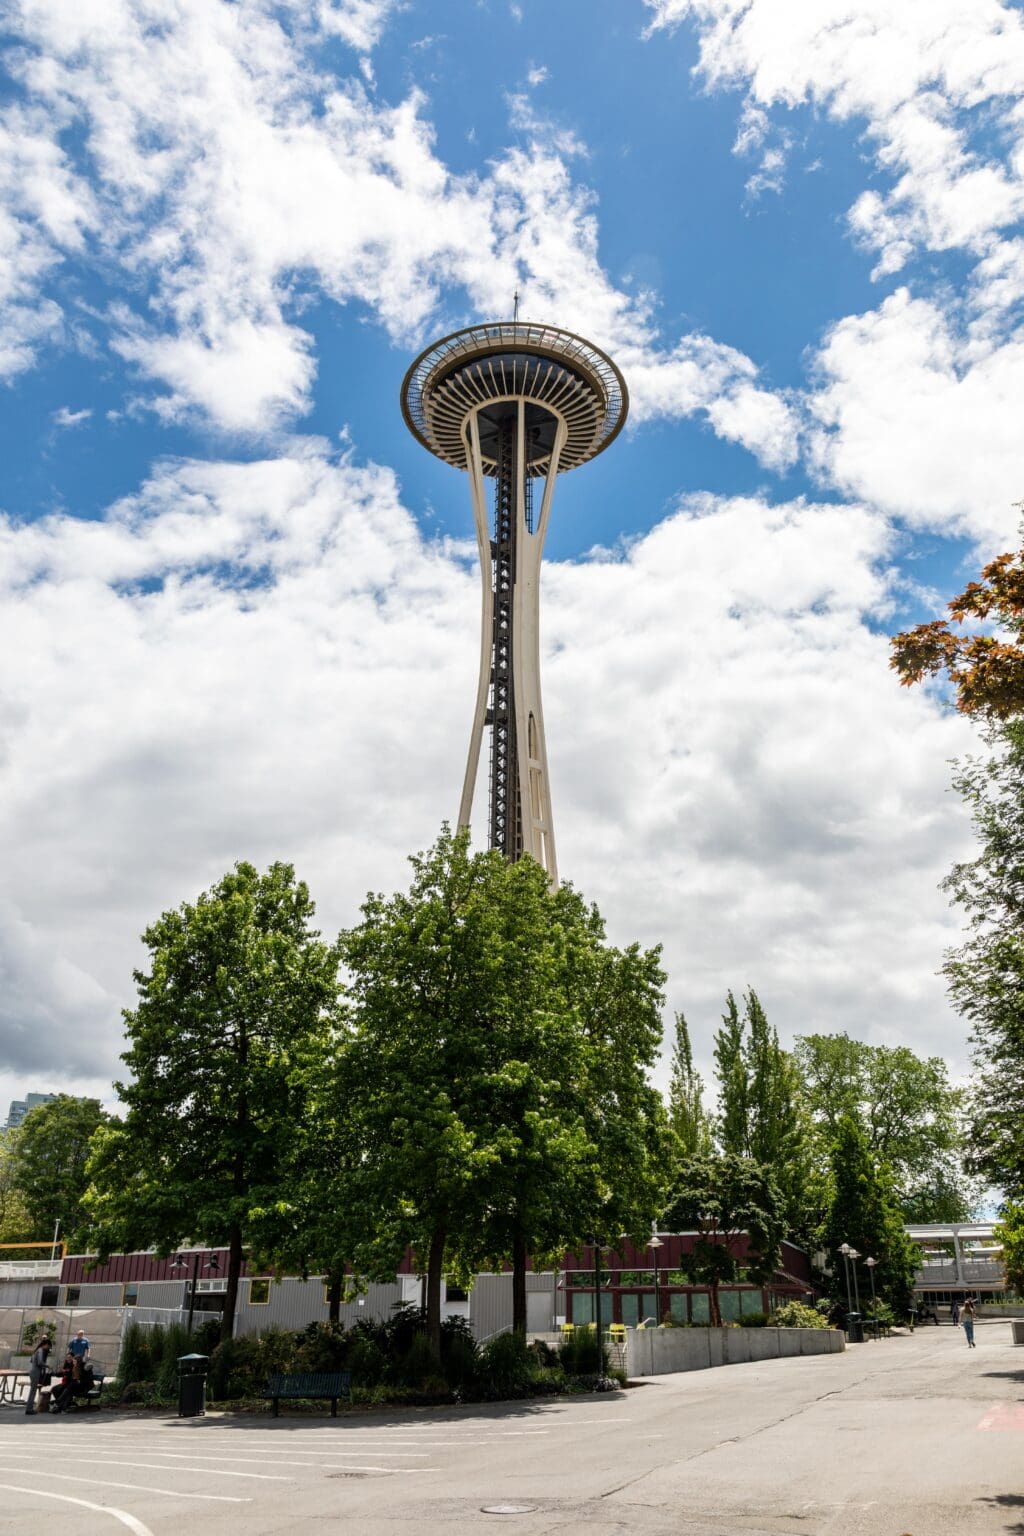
(659,1351)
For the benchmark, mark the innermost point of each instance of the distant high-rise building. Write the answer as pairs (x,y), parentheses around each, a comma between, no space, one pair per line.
(20,1108)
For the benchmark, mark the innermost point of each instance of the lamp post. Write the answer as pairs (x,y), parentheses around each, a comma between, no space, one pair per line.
(844,1249)
(654,1244)
(870,1263)
(854,1256)
(180,1262)
(597,1246)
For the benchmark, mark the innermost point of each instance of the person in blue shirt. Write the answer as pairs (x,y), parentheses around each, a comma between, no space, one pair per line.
(80,1345)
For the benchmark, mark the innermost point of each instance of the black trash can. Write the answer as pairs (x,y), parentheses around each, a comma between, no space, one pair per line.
(192,1371)
(854,1328)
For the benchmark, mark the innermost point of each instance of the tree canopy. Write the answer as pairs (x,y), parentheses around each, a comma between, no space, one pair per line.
(986,672)
(986,973)
(239,1005)
(906,1107)
(688,1118)
(863,1211)
(49,1165)
(496,1076)
(737,1210)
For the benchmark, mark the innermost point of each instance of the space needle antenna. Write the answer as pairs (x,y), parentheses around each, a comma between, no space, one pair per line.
(514,405)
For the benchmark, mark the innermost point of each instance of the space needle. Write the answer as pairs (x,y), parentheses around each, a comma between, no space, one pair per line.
(516,404)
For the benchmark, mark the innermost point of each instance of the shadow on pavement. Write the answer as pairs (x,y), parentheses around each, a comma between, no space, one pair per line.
(1007,1501)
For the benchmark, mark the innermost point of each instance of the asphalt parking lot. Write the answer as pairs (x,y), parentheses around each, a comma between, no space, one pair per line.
(910,1435)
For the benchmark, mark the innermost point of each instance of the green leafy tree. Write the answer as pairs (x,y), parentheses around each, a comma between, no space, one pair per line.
(986,973)
(1009,1230)
(50,1162)
(738,1213)
(762,1112)
(864,1212)
(909,1112)
(731,1071)
(496,1075)
(238,1006)
(15,1221)
(687,1115)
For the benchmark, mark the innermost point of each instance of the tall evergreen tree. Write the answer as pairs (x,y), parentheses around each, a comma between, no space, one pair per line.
(731,1071)
(687,1116)
(863,1211)
(762,1110)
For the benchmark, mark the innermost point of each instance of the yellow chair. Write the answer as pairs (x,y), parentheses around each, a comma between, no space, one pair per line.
(617,1332)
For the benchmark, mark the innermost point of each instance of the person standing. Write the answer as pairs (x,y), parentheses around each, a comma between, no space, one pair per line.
(955,1312)
(967,1317)
(37,1370)
(80,1345)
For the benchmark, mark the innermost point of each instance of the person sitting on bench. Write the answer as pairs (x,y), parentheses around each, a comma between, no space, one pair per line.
(61,1393)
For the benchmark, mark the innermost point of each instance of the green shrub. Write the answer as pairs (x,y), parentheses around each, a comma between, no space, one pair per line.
(419,1364)
(796,1314)
(365,1359)
(754,1320)
(459,1354)
(505,1368)
(582,1353)
(323,1347)
(135,1361)
(176,1341)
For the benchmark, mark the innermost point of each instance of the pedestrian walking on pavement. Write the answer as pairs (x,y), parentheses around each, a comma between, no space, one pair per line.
(37,1372)
(967,1317)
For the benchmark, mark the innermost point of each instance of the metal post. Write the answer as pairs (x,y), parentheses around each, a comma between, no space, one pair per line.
(597,1288)
(656,1243)
(844,1249)
(854,1256)
(874,1304)
(192,1292)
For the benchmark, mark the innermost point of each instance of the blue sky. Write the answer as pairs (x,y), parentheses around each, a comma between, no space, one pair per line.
(238,601)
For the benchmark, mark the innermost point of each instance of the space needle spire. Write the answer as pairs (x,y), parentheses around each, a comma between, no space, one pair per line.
(513,404)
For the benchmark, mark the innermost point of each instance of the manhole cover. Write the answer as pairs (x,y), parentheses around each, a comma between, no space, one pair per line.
(508,1509)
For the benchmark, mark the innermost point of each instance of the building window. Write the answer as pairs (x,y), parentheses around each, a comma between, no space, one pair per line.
(48,1295)
(72,1295)
(455,1293)
(259,1293)
(130,1294)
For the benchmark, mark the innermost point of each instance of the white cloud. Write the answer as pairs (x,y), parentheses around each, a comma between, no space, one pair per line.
(245,183)
(537,74)
(921,420)
(66,417)
(735,770)
(916,74)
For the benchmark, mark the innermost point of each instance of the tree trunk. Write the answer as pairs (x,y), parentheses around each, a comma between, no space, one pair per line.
(334,1281)
(519,1281)
(716,1310)
(435,1270)
(227,1323)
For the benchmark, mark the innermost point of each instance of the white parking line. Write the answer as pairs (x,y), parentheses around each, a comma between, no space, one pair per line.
(155,1466)
(135,1526)
(172,1493)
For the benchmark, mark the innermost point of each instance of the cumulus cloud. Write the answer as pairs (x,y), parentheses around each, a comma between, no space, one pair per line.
(917,75)
(916,417)
(256,645)
(235,182)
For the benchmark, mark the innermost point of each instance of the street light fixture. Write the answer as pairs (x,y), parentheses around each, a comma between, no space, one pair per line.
(654,1243)
(180,1262)
(854,1256)
(844,1249)
(870,1263)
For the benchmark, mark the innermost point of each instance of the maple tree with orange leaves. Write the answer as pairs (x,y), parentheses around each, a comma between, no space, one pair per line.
(987,672)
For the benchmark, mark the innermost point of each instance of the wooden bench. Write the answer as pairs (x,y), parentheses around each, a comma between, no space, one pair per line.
(309,1384)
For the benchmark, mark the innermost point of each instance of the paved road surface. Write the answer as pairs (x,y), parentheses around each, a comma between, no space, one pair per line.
(910,1435)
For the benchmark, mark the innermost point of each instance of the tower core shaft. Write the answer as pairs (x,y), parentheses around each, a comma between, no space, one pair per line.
(515,404)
